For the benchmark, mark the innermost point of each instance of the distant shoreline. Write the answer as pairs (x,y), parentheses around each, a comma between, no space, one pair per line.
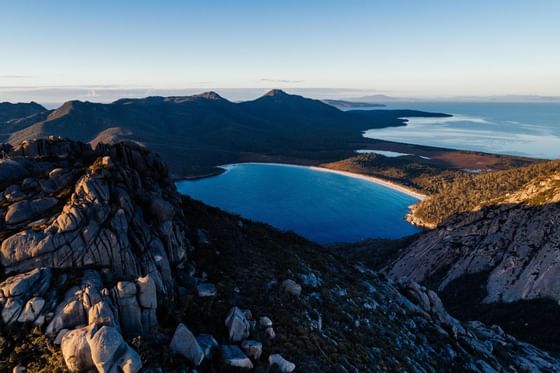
(370,179)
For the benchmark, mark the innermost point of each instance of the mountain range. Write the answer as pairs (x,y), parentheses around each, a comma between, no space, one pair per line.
(193,134)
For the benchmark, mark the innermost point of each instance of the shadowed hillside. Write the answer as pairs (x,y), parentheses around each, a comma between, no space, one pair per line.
(9,111)
(196,133)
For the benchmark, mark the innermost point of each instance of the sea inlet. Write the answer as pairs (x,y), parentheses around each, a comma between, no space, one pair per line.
(325,207)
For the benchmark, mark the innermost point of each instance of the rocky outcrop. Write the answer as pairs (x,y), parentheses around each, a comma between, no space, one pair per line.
(514,240)
(283,365)
(109,351)
(480,340)
(237,324)
(76,350)
(23,296)
(291,287)
(110,271)
(102,224)
(11,170)
(185,344)
(114,237)
(28,209)
(235,358)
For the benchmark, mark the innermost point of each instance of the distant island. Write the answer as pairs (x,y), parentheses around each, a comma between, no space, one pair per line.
(342,104)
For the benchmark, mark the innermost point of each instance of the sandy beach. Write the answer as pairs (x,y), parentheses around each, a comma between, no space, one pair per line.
(371,179)
(376,180)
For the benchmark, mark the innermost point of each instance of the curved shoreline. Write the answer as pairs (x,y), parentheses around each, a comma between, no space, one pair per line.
(375,180)
(371,179)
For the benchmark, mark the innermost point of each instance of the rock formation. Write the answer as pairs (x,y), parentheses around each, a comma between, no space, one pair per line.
(89,243)
(109,268)
(513,239)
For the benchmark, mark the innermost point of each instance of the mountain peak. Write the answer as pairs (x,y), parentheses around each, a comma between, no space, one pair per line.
(276,93)
(210,95)
(65,109)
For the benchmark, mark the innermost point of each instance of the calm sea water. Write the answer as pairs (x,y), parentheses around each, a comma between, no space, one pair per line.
(528,129)
(321,206)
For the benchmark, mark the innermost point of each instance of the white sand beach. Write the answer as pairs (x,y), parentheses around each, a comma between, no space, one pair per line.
(371,179)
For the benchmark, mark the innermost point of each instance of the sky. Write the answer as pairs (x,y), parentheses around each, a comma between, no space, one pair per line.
(51,51)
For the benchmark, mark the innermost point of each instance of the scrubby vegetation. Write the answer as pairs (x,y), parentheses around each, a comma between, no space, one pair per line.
(451,190)
(374,253)
(424,174)
(463,192)
(406,170)
(28,347)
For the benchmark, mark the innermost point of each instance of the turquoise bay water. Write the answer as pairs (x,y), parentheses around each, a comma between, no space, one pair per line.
(321,206)
(527,129)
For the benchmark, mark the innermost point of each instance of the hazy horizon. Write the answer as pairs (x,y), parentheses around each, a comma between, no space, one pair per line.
(103,50)
(54,97)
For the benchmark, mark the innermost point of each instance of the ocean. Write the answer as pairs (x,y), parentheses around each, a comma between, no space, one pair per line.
(525,129)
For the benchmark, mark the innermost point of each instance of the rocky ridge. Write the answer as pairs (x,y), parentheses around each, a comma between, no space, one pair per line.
(74,221)
(513,238)
(100,256)
(10,112)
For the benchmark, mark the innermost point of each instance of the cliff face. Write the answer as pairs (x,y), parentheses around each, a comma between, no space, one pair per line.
(105,267)
(498,262)
(89,243)
(513,238)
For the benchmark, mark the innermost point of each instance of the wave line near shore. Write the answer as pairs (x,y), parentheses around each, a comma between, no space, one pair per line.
(371,179)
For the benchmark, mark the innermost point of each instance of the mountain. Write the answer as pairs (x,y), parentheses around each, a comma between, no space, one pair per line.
(194,134)
(495,257)
(9,111)
(105,267)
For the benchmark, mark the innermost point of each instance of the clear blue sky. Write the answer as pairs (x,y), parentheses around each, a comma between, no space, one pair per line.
(396,47)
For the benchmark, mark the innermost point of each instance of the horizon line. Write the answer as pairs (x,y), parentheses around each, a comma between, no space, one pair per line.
(110,93)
